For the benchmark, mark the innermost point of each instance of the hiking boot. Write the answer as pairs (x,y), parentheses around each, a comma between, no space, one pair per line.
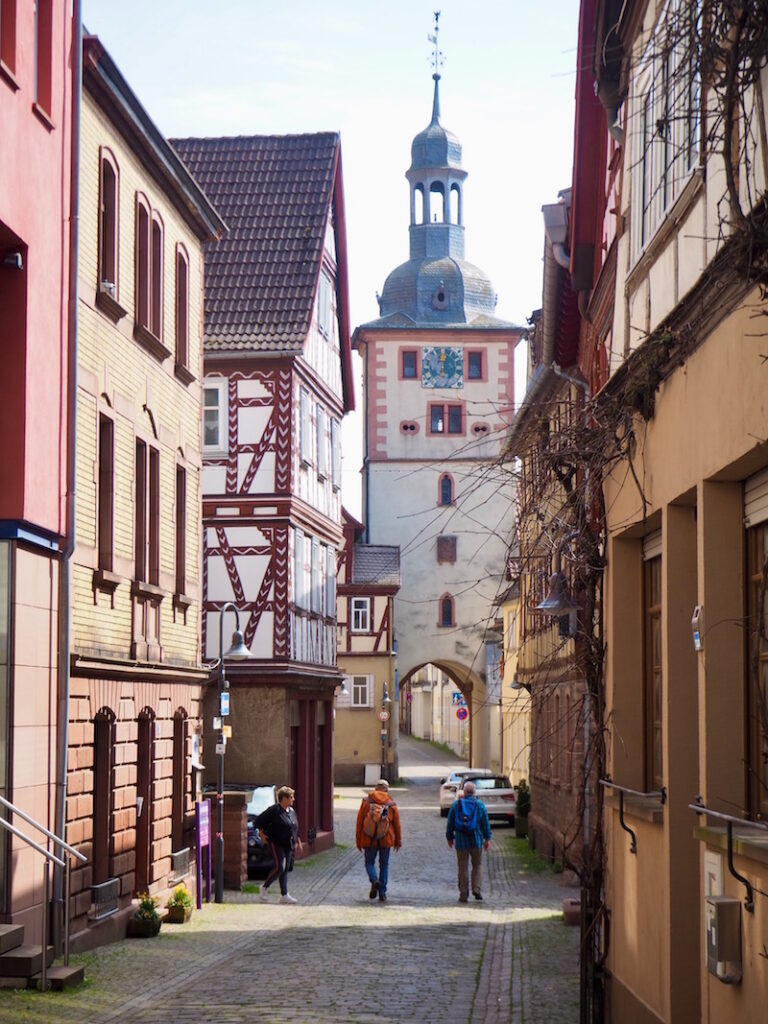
(383,897)
(374,891)
(263,895)
(477,895)
(463,899)
(287,898)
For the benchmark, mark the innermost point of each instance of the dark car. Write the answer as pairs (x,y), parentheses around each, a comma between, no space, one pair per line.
(259,854)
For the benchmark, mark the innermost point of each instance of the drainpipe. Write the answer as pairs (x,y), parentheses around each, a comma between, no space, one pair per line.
(366,463)
(62,730)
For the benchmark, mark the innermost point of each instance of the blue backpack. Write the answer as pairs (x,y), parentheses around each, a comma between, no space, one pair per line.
(466,815)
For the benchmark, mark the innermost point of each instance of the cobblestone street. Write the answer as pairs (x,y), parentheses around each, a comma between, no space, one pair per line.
(338,957)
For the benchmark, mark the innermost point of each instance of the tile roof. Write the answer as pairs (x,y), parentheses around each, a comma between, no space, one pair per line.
(275,194)
(376,563)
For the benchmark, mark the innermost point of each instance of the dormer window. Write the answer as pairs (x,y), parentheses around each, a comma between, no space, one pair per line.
(440,297)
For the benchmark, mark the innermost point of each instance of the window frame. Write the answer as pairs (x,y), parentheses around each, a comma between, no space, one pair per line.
(653,673)
(222,387)
(360,616)
(105,518)
(757,744)
(324,304)
(8,41)
(143,261)
(180,529)
(446,602)
(321,418)
(402,356)
(43,59)
(357,685)
(445,410)
(335,454)
(469,355)
(109,227)
(181,318)
(444,479)
(305,427)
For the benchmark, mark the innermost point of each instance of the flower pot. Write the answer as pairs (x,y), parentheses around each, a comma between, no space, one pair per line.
(143,927)
(521,825)
(178,914)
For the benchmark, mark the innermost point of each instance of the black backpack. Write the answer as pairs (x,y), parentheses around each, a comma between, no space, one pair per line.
(466,815)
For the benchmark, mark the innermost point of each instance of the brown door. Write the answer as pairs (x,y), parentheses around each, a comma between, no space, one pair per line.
(143,801)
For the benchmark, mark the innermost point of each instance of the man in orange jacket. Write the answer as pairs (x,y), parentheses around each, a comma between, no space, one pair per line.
(378,830)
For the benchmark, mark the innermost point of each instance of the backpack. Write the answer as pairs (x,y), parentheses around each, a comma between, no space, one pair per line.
(466,815)
(376,821)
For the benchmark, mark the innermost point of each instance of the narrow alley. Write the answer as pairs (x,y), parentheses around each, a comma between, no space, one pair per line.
(420,957)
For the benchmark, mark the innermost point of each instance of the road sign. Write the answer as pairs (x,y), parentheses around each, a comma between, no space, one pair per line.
(224,703)
(457,698)
(227,732)
(383,715)
(221,748)
(462,713)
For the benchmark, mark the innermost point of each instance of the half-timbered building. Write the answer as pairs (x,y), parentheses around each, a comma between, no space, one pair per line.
(365,741)
(277,384)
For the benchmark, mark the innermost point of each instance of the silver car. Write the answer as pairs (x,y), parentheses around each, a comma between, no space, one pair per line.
(497,793)
(450,785)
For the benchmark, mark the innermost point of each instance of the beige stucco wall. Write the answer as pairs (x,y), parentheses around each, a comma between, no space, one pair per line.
(357,731)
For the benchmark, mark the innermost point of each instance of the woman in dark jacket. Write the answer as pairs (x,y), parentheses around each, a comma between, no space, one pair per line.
(279,826)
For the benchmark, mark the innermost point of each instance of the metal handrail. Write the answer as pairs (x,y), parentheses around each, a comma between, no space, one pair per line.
(656,794)
(730,820)
(63,862)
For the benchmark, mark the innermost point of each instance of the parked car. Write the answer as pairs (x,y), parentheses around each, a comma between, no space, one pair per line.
(259,855)
(449,786)
(497,793)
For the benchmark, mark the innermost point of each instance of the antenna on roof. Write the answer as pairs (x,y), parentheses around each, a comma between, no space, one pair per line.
(437,60)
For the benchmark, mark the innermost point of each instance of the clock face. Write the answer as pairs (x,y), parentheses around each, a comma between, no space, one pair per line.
(442,367)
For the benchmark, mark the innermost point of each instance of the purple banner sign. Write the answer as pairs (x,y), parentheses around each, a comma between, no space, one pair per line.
(203,842)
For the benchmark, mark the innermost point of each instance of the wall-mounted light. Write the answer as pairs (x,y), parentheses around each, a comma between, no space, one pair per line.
(558,601)
(13,261)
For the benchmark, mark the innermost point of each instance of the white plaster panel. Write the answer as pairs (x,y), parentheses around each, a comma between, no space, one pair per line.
(662,281)
(691,250)
(638,315)
(264,480)
(252,388)
(262,641)
(251,569)
(219,586)
(242,536)
(214,479)
(251,423)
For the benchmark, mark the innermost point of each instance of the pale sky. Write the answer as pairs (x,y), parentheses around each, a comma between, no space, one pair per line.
(248,67)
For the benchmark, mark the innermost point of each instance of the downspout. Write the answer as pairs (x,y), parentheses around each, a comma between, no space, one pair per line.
(62,731)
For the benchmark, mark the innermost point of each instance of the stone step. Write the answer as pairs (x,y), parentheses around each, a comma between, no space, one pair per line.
(60,977)
(23,961)
(11,935)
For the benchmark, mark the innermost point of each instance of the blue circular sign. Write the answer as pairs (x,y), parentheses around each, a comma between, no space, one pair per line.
(462,713)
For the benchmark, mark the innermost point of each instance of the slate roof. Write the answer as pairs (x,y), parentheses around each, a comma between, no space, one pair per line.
(377,564)
(275,193)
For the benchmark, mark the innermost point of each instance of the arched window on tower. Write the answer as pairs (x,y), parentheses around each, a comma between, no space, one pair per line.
(455,204)
(437,201)
(418,204)
(446,489)
(446,610)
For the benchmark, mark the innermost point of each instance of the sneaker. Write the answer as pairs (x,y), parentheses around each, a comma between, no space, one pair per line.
(477,895)
(374,891)
(383,897)
(288,899)
(263,895)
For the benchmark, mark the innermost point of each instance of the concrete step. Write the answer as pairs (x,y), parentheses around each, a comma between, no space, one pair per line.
(23,961)
(11,935)
(60,977)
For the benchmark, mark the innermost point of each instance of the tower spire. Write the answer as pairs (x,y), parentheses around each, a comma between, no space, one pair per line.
(437,61)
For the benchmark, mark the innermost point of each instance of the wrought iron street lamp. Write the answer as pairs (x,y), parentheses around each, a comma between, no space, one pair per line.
(237,652)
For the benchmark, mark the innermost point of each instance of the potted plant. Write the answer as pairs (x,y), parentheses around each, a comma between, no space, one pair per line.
(522,808)
(179,905)
(146,921)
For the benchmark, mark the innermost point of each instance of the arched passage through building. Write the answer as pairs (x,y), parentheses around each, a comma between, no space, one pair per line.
(432,695)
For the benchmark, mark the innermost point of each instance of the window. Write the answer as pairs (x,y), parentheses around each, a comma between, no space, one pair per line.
(149,269)
(362,691)
(446,549)
(654,716)
(108,221)
(305,438)
(446,611)
(757,696)
(322,456)
(324,305)
(445,419)
(182,308)
(667,102)
(103,755)
(335,454)
(179,781)
(181,530)
(214,422)
(330,582)
(43,54)
(106,491)
(446,490)
(156,322)
(147,514)
(315,571)
(361,615)
(142,263)
(8,34)
(474,366)
(409,366)
(299,595)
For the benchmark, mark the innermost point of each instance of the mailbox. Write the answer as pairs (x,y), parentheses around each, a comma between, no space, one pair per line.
(724,938)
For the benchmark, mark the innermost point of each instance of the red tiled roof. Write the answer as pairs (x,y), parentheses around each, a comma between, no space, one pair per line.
(275,194)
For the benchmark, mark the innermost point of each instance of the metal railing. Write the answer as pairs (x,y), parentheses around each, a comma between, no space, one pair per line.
(654,794)
(63,862)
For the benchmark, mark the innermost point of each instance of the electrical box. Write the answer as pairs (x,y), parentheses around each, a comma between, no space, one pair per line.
(723,915)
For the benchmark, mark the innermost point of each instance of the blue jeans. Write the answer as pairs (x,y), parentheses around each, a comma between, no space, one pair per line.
(370,865)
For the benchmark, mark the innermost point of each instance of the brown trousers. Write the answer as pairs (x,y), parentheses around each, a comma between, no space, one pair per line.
(463,857)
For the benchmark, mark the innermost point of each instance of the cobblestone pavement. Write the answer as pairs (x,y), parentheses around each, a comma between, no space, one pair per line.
(338,958)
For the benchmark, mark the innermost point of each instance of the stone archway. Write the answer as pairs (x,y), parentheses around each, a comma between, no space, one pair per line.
(473,686)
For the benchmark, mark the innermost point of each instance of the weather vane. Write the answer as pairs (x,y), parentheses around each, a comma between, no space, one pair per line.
(437,58)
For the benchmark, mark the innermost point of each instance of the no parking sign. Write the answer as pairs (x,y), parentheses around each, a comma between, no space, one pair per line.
(462,713)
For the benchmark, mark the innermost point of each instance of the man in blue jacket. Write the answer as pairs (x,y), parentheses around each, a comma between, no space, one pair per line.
(469,830)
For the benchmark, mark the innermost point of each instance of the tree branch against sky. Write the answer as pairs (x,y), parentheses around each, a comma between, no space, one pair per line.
(249,67)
